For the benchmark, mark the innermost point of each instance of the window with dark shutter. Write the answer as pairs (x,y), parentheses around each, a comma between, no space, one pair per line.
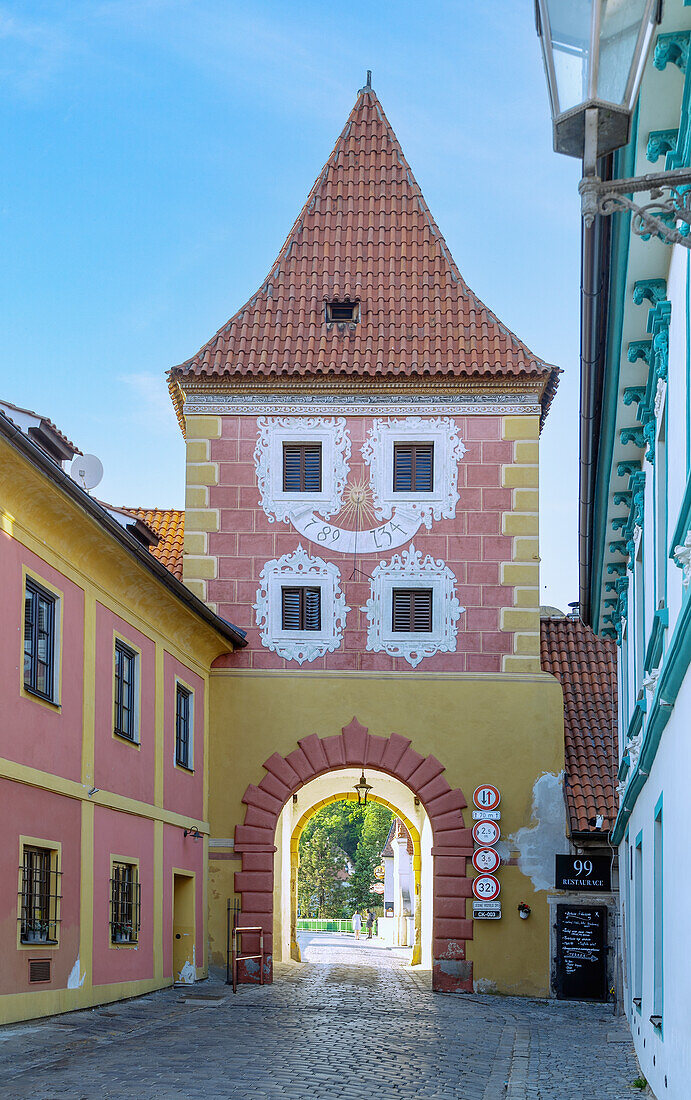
(302,467)
(39,640)
(411,610)
(124,692)
(183,740)
(413,467)
(125,905)
(301,608)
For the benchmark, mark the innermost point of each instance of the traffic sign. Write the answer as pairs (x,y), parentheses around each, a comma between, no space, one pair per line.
(478,815)
(486,797)
(487,914)
(486,904)
(486,860)
(486,887)
(485,833)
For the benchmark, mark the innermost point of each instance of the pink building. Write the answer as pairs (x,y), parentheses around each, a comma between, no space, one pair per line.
(104,667)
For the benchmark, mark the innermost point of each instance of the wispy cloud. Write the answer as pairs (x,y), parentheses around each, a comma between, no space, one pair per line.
(32,53)
(150,402)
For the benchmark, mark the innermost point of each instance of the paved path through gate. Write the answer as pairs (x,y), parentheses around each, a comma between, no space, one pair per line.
(354,1021)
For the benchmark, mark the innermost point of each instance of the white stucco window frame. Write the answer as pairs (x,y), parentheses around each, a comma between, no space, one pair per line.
(273,432)
(300,570)
(410,570)
(449,449)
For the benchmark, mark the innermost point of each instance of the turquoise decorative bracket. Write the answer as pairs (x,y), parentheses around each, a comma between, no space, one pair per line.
(619,523)
(672,48)
(659,142)
(623,496)
(617,567)
(617,547)
(634,393)
(632,435)
(627,467)
(639,349)
(658,324)
(652,289)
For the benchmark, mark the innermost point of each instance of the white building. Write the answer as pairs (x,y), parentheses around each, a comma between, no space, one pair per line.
(636,555)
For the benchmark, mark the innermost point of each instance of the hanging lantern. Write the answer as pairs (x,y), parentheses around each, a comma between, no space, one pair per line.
(363,788)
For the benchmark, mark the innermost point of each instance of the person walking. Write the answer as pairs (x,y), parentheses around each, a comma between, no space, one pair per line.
(357,924)
(370,923)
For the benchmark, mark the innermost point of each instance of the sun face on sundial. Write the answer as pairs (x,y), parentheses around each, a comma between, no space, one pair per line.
(357,512)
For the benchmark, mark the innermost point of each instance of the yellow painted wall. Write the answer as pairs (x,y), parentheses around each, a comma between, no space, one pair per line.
(501,728)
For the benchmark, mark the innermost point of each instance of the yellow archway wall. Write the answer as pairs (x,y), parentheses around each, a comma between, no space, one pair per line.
(349,796)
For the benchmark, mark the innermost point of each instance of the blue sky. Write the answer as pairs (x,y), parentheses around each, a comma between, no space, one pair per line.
(158,151)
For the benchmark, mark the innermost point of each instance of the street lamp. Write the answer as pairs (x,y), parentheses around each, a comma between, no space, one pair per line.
(363,788)
(594,53)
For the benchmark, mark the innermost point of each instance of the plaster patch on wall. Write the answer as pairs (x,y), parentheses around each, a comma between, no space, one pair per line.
(484,985)
(75,981)
(188,973)
(538,844)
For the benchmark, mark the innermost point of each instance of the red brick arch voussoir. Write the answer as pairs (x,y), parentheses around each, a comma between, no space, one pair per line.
(452,841)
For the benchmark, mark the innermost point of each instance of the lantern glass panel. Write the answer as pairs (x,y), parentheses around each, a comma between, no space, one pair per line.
(620,25)
(570,29)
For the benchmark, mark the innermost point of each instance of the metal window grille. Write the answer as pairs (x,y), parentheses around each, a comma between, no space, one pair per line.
(413,467)
(39,970)
(39,640)
(125,905)
(411,610)
(182,727)
(302,467)
(39,896)
(301,608)
(124,700)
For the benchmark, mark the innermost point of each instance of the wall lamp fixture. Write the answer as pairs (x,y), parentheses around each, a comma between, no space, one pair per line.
(594,54)
(193,832)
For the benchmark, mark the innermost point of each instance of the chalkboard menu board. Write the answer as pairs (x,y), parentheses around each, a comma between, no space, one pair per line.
(581,952)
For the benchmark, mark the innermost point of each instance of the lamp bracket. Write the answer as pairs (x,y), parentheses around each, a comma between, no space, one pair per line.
(670,202)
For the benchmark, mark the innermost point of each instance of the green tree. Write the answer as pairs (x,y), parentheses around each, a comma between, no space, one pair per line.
(335,831)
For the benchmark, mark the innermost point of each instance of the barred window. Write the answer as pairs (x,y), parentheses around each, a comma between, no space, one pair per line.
(124,903)
(39,640)
(302,467)
(301,608)
(183,726)
(39,895)
(124,717)
(411,610)
(413,467)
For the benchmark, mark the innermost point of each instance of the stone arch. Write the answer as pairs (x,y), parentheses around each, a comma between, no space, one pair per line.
(452,843)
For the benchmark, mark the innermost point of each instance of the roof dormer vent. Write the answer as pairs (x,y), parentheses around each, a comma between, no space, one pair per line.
(343,312)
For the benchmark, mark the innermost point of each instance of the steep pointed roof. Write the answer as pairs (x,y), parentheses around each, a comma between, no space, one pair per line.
(366,234)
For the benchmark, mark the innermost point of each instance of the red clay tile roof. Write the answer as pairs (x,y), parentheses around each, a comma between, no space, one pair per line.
(366,234)
(586,667)
(169,525)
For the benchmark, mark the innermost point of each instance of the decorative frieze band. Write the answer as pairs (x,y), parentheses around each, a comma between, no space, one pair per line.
(277,404)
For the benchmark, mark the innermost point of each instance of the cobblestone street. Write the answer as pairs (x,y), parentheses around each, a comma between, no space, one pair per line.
(355,1021)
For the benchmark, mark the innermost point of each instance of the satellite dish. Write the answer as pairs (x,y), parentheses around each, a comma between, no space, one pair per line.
(87,471)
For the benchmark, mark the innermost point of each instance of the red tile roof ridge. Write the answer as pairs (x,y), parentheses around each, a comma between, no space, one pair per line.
(169,525)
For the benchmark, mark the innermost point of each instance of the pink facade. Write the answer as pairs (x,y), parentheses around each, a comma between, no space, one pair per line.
(469,542)
(77,787)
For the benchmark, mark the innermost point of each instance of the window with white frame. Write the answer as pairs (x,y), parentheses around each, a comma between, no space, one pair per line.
(184,726)
(125,692)
(41,614)
(300,608)
(413,610)
(301,462)
(413,463)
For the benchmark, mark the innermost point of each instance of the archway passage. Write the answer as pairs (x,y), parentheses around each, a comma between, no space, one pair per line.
(452,841)
(406,928)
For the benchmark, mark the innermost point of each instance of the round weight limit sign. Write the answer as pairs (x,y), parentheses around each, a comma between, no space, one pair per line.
(486,797)
(486,887)
(485,833)
(486,860)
